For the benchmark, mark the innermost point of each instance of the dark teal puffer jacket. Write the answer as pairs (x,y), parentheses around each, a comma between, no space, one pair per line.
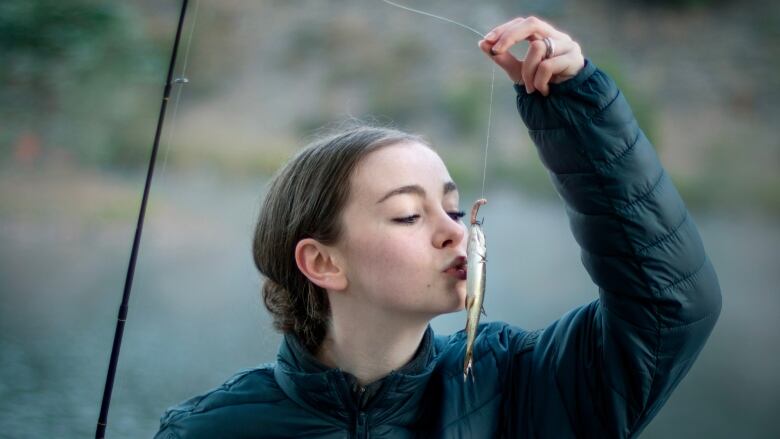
(601,371)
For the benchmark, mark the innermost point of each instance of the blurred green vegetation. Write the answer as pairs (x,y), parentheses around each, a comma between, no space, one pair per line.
(641,101)
(465,107)
(70,79)
(82,83)
(682,4)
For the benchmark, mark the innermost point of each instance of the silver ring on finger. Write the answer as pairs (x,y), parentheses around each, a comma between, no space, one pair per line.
(550,48)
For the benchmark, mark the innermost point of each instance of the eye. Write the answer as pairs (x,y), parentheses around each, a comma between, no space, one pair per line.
(411,219)
(456,216)
(407,219)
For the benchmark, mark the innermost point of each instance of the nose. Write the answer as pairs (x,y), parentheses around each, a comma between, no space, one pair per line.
(449,233)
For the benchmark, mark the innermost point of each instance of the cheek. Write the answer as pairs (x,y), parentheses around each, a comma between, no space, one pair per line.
(388,262)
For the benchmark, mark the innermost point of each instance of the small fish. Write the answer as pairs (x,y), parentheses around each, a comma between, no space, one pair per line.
(475,284)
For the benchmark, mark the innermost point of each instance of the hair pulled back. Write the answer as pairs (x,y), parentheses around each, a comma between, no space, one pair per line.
(305,199)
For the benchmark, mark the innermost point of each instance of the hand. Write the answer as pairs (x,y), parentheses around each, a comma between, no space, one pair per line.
(534,71)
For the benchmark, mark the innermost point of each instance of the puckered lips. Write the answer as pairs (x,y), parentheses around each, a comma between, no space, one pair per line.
(457,268)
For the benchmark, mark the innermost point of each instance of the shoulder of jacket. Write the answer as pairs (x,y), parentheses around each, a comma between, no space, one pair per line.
(498,339)
(249,386)
(503,337)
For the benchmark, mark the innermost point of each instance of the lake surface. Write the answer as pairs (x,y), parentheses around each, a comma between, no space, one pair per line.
(196,317)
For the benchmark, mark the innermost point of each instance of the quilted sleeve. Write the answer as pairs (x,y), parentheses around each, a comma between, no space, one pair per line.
(606,368)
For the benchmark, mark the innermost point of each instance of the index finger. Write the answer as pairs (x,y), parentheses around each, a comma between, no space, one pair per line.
(529,28)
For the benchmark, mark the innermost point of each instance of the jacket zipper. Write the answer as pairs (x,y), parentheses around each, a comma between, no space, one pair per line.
(361,429)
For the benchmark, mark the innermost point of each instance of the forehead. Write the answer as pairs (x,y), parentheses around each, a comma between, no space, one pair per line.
(398,165)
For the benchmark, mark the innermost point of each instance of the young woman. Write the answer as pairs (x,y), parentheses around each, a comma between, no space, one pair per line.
(361,243)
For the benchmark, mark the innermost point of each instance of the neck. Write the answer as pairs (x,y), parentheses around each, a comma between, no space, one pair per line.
(369,345)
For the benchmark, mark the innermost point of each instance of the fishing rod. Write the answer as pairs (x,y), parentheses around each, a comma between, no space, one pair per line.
(122,318)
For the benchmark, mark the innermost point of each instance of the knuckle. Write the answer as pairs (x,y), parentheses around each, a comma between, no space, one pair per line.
(539,81)
(533,20)
(538,45)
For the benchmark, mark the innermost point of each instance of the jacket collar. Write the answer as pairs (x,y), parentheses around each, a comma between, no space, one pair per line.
(329,391)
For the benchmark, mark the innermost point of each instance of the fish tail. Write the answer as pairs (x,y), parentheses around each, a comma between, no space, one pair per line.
(475,209)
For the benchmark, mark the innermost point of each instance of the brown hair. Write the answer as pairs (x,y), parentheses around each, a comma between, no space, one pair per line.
(304,200)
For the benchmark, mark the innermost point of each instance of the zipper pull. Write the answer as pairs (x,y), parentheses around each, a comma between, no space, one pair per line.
(361,393)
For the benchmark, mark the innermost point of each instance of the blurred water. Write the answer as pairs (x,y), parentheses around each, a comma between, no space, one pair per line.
(195,314)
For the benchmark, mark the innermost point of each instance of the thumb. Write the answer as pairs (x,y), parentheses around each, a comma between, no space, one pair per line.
(511,65)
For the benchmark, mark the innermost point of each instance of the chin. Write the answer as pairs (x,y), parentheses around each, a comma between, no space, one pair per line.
(462,296)
(452,299)
(453,309)
(451,305)
(459,302)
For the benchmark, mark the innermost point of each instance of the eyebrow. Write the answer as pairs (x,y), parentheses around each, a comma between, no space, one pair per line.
(416,189)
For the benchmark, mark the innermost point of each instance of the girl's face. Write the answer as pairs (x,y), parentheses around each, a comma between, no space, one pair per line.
(402,231)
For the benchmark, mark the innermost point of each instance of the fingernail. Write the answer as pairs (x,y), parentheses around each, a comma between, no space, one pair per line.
(493,51)
(490,36)
(527,90)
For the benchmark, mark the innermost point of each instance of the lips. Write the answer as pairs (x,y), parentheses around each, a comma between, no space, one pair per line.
(457,268)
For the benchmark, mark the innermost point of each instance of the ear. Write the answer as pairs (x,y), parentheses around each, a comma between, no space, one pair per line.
(320,263)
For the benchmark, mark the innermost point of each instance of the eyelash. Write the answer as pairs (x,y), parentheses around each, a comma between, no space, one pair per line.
(456,216)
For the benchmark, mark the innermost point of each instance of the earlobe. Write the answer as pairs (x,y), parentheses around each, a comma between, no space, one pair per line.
(318,263)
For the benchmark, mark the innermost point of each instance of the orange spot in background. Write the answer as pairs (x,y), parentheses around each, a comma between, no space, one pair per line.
(27,149)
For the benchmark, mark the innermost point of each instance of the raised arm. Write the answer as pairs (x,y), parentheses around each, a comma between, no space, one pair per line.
(605,369)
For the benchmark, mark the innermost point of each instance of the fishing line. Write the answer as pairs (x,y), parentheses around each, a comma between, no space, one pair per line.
(487,140)
(492,80)
(180,80)
(435,16)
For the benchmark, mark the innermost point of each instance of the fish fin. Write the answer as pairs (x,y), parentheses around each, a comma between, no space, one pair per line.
(467,371)
(483,311)
(469,302)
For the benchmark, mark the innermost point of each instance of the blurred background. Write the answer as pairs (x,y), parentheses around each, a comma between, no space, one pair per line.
(80,89)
